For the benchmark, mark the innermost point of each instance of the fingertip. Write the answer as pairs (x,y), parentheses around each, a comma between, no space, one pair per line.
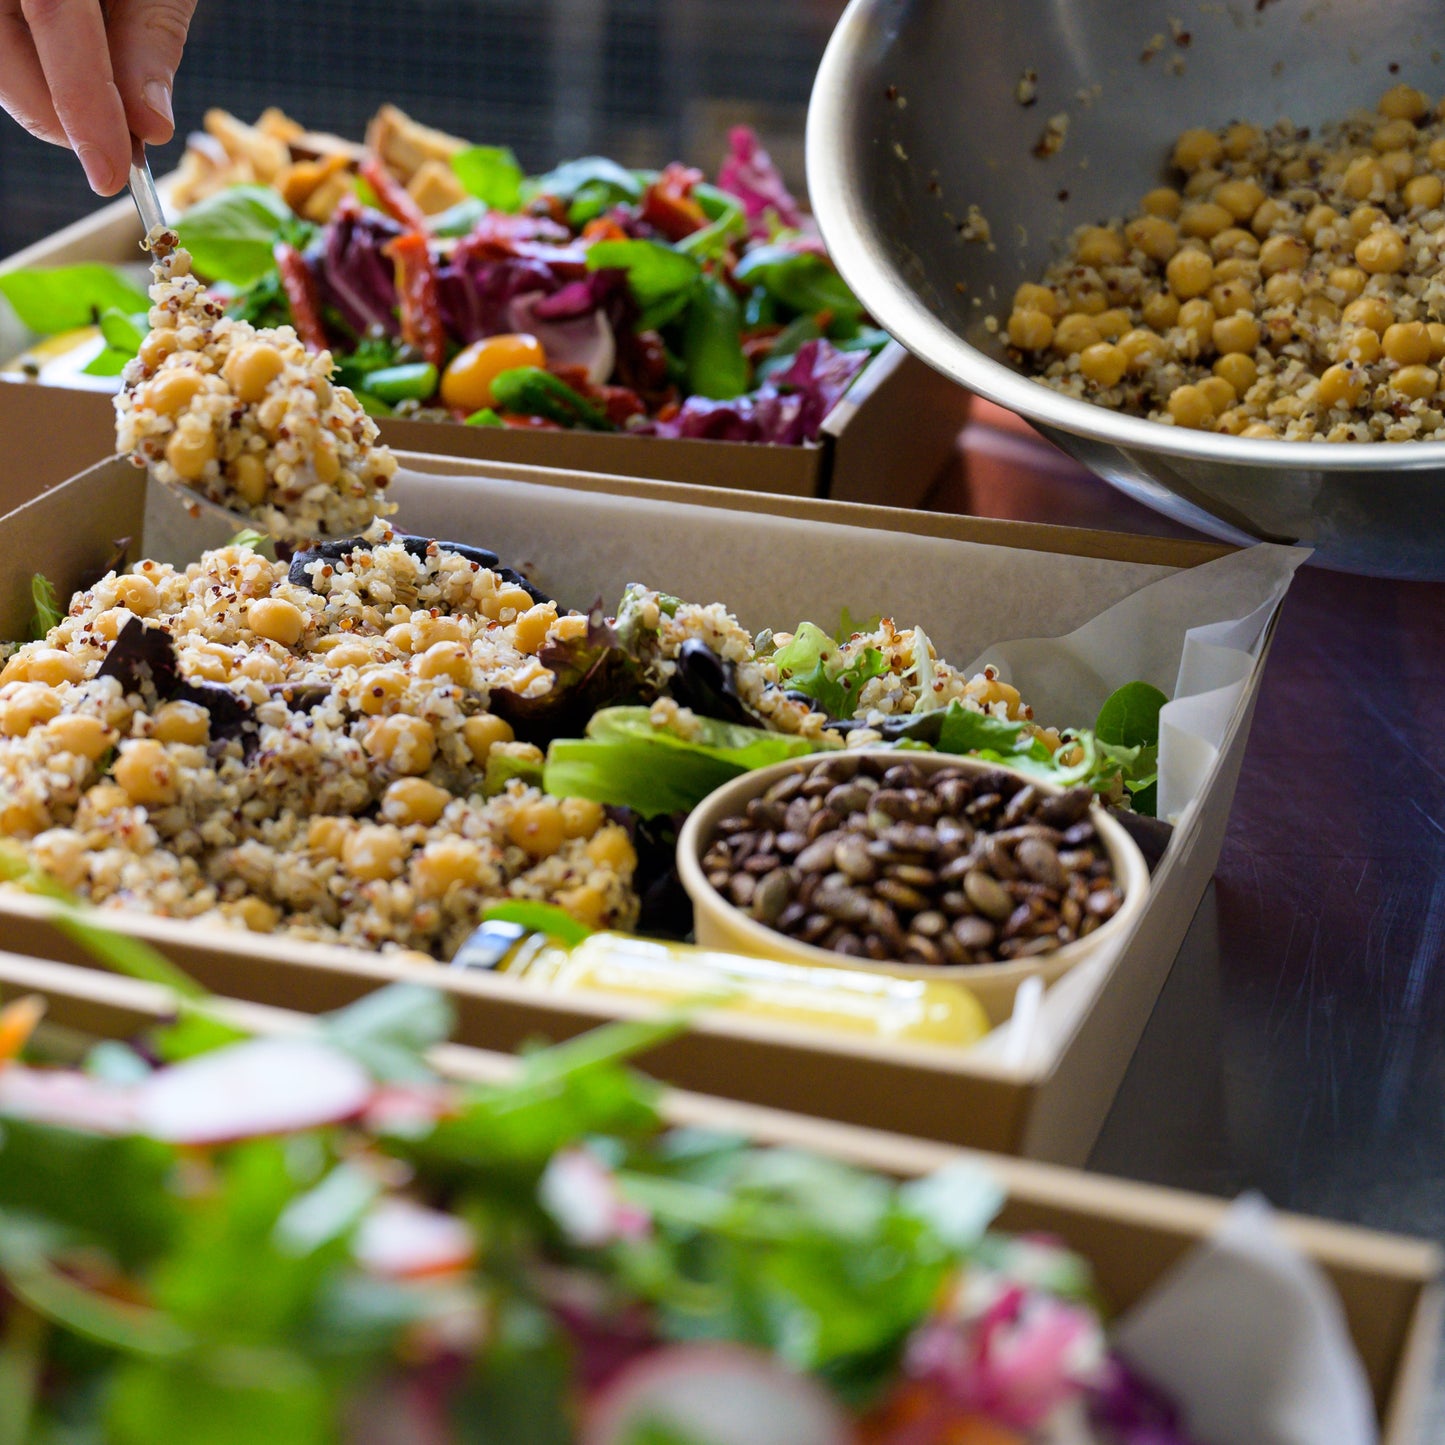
(162,123)
(104,172)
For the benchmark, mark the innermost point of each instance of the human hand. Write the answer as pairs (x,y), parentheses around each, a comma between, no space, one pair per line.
(90,73)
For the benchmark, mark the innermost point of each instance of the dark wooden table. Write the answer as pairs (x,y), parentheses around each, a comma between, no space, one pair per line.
(1298,1047)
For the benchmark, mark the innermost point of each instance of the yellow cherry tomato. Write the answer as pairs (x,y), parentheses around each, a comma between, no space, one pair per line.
(467,382)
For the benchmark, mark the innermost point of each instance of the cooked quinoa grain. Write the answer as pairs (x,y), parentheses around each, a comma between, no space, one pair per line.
(248,418)
(1289,287)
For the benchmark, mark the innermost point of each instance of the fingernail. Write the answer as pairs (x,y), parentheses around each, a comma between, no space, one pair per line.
(98,171)
(158,96)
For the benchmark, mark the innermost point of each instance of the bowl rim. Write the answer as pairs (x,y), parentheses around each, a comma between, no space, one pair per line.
(849,234)
(1130,870)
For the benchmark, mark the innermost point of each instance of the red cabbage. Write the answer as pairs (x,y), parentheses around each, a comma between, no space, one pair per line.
(352,272)
(749,174)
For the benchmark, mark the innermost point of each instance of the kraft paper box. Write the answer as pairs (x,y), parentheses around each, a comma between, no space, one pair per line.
(1378,1295)
(1196,618)
(884,443)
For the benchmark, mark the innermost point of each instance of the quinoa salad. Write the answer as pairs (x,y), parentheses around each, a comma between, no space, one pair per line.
(350,747)
(248,419)
(1290,287)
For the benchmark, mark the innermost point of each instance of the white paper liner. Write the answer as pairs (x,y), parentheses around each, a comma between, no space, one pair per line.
(1248,1337)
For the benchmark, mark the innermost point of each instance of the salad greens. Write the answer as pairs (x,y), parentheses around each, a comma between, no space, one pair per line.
(232,235)
(808,664)
(63,298)
(491,175)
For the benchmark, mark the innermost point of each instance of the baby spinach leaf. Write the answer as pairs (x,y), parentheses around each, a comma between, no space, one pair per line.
(232,233)
(662,280)
(492,175)
(712,348)
(1130,716)
(802,280)
(62,298)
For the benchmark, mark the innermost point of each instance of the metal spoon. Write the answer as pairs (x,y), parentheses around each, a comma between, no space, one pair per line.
(143,193)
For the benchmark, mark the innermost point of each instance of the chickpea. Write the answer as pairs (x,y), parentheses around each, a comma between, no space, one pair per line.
(445,863)
(537,828)
(1240,139)
(1399,166)
(1234,244)
(1189,274)
(570,627)
(1394,135)
(429,630)
(53,667)
(1099,246)
(1142,349)
(1238,370)
(1189,407)
(1103,363)
(137,593)
(248,477)
(108,624)
(1283,253)
(1196,148)
(1436,154)
(1241,198)
(172,391)
(446,659)
(1238,268)
(105,798)
(1112,324)
(1416,382)
(610,847)
(1073,334)
(181,722)
(26,705)
(144,769)
(277,619)
(1407,342)
(327,835)
(62,853)
(1369,311)
(1197,318)
(79,734)
(1270,216)
(1231,296)
(1260,431)
(1437,340)
(156,346)
(1204,219)
(190,452)
(588,905)
(325,461)
(1160,311)
(1218,393)
(529,631)
(1348,280)
(1295,172)
(1030,297)
(1237,333)
(1320,218)
(1341,385)
(1163,201)
(405,744)
(414,800)
(20,818)
(1319,308)
(404,637)
(581,817)
(16,669)
(517,599)
(1366,179)
(1424,193)
(1381,253)
(1030,330)
(256,914)
(373,851)
(1154,236)
(1403,102)
(483,732)
(250,370)
(1361,346)
(1364,219)
(260,668)
(381,688)
(348,654)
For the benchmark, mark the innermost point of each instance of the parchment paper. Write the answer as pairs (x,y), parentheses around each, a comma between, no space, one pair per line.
(1248,1337)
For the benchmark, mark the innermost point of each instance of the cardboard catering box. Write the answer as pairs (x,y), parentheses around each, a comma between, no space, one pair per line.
(1388,1287)
(884,443)
(586,536)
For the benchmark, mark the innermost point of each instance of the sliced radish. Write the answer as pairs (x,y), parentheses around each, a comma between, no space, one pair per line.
(716,1394)
(403,1240)
(251,1089)
(67,1099)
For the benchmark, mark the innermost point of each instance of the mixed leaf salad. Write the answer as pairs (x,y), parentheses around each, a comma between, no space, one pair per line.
(591,297)
(214,1238)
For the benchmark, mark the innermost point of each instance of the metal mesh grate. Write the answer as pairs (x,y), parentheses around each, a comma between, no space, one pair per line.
(644,80)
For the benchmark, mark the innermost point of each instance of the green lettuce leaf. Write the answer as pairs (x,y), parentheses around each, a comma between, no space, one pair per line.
(231,235)
(626,762)
(808,664)
(712,348)
(1129,722)
(62,298)
(662,281)
(801,280)
(492,175)
(48,611)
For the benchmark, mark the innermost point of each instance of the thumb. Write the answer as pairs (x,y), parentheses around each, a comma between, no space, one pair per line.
(146,40)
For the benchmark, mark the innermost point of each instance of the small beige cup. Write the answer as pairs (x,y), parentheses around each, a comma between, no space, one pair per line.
(721,924)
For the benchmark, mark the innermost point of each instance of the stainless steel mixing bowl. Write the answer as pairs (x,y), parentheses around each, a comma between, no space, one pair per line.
(915,118)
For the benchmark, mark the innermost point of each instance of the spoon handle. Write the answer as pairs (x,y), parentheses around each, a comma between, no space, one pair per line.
(143,192)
